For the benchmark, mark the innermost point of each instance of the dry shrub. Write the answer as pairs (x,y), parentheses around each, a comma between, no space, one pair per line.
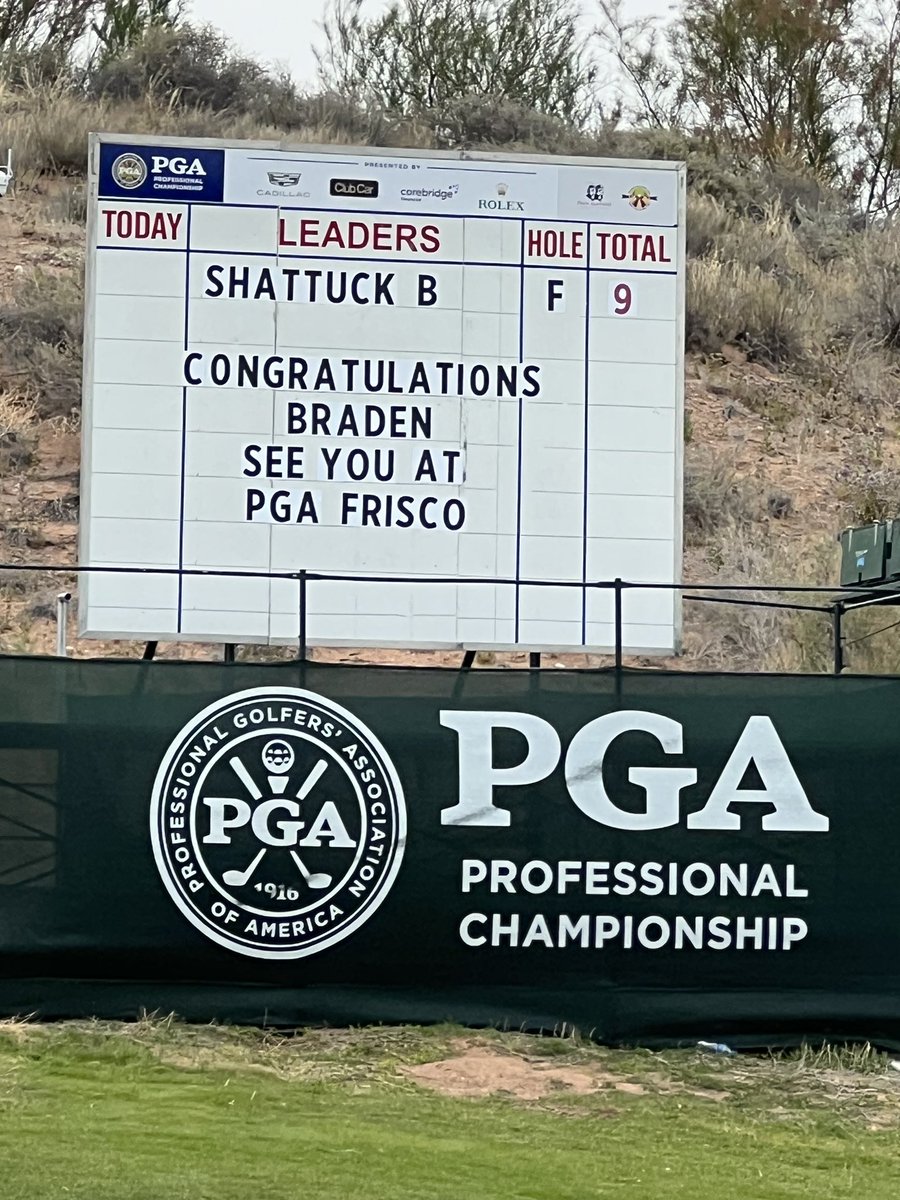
(17,433)
(17,415)
(719,636)
(715,495)
(492,121)
(708,223)
(869,492)
(873,287)
(748,285)
(872,641)
(65,204)
(729,303)
(850,381)
(751,188)
(742,637)
(47,128)
(197,67)
(40,341)
(826,235)
(767,243)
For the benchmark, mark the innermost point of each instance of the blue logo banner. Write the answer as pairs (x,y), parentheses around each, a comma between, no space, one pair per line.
(162,173)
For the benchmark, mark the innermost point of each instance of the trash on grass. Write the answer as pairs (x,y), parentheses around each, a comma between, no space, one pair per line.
(720,1048)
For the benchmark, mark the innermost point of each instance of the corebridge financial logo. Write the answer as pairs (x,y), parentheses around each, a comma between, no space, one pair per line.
(161,173)
(278,822)
(416,195)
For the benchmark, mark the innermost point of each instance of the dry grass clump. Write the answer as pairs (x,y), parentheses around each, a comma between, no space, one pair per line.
(869,282)
(810,294)
(18,438)
(48,126)
(40,341)
(715,495)
(868,488)
(17,415)
(748,285)
(719,636)
(730,303)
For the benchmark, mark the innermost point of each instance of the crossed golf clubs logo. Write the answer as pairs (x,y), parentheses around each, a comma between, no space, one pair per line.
(278,759)
(311,779)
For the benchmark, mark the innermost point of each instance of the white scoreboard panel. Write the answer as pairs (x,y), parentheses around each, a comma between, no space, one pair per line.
(381,363)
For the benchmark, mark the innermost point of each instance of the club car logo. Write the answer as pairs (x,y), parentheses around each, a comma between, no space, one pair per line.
(278,822)
(129,171)
(366,189)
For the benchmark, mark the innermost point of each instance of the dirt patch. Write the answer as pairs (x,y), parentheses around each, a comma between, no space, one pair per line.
(478,1071)
(483,1073)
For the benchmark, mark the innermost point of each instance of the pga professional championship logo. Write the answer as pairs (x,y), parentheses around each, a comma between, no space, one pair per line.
(129,171)
(278,822)
(162,173)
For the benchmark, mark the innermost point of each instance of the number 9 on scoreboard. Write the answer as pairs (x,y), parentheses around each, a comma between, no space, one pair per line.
(621,300)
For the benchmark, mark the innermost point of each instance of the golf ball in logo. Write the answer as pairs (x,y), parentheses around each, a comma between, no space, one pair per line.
(277,756)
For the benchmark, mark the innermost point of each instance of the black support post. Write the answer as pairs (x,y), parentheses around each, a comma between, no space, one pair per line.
(302,579)
(837,614)
(618,620)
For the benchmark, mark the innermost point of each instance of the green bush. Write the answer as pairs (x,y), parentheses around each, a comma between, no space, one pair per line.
(197,67)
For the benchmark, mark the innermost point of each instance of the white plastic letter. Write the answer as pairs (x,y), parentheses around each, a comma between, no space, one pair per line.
(477,774)
(760,744)
(584,771)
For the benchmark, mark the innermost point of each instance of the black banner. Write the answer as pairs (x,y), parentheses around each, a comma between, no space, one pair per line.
(651,857)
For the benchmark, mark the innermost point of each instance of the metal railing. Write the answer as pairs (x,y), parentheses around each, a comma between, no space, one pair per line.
(840,601)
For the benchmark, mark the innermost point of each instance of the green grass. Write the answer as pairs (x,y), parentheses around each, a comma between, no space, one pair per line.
(160,1111)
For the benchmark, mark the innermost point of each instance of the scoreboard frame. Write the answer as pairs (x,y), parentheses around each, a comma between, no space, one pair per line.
(146,624)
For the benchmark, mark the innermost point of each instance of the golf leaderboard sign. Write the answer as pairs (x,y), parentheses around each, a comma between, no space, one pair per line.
(383,363)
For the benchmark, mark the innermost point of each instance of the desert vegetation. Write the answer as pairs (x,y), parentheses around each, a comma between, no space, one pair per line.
(787,113)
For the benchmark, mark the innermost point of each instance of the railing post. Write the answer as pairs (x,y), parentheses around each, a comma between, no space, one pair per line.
(62,623)
(837,613)
(618,620)
(302,578)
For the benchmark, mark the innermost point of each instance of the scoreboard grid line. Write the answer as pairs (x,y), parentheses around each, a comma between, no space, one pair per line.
(184,415)
(544,265)
(521,420)
(587,420)
(386,212)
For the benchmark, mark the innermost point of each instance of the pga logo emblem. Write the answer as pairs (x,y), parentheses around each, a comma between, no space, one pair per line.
(278,823)
(129,171)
